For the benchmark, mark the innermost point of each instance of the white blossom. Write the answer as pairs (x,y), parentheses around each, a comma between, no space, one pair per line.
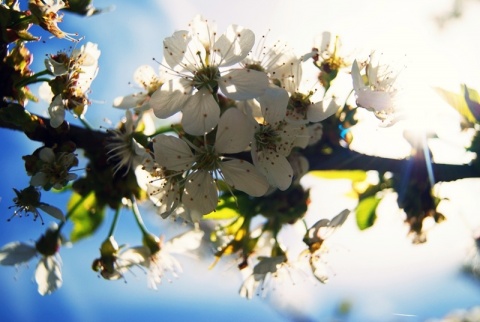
(197,56)
(203,165)
(54,169)
(74,75)
(265,274)
(48,272)
(162,261)
(123,149)
(375,90)
(146,77)
(315,239)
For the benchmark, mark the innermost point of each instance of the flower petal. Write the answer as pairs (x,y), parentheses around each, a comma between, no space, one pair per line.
(172,153)
(48,275)
(321,110)
(243,84)
(52,211)
(133,256)
(187,241)
(276,167)
(170,98)
(174,47)
(145,76)
(376,101)
(234,132)
(129,101)
(38,179)
(243,176)
(16,253)
(56,111)
(200,192)
(234,45)
(200,113)
(357,77)
(274,104)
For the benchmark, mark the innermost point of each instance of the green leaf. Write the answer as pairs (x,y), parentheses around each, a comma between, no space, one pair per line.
(354,175)
(227,208)
(86,214)
(458,102)
(366,212)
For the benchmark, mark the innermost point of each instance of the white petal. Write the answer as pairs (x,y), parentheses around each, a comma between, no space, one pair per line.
(248,287)
(145,76)
(243,176)
(195,55)
(165,194)
(339,219)
(187,241)
(243,84)
(38,179)
(200,113)
(170,98)
(234,132)
(356,77)
(377,101)
(48,275)
(129,101)
(268,265)
(319,268)
(274,104)
(203,30)
(56,110)
(276,167)
(47,155)
(302,137)
(321,110)
(133,256)
(52,211)
(235,45)
(174,47)
(172,153)
(16,253)
(200,192)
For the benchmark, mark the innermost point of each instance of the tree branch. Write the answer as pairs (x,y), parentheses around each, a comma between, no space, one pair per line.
(340,158)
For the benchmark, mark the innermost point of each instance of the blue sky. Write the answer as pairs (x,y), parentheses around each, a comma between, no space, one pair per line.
(384,278)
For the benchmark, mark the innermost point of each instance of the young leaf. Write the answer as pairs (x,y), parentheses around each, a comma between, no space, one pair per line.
(458,102)
(86,214)
(227,208)
(354,175)
(366,212)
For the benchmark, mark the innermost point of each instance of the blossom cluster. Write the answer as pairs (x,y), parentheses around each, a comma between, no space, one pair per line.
(245,113)
(232,102)
(74,74)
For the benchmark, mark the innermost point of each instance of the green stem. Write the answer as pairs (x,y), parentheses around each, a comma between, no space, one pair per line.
(85,122)
(71,211)
(114,222)
(23,19)
(34,79)
(138,217)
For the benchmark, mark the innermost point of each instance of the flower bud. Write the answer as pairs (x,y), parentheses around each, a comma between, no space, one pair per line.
(49,243)
(153,243)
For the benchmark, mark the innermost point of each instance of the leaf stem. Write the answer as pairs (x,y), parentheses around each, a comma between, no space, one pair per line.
(114,222)
(138,217)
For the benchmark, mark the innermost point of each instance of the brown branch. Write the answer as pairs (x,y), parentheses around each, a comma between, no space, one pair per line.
(345,159)
(93,142)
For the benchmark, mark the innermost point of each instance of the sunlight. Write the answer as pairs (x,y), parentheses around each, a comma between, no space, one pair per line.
(377,266)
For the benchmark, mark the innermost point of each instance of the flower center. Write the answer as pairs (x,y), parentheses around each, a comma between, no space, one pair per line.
(207,77)
(266,137)
(207,159)
(298,105)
